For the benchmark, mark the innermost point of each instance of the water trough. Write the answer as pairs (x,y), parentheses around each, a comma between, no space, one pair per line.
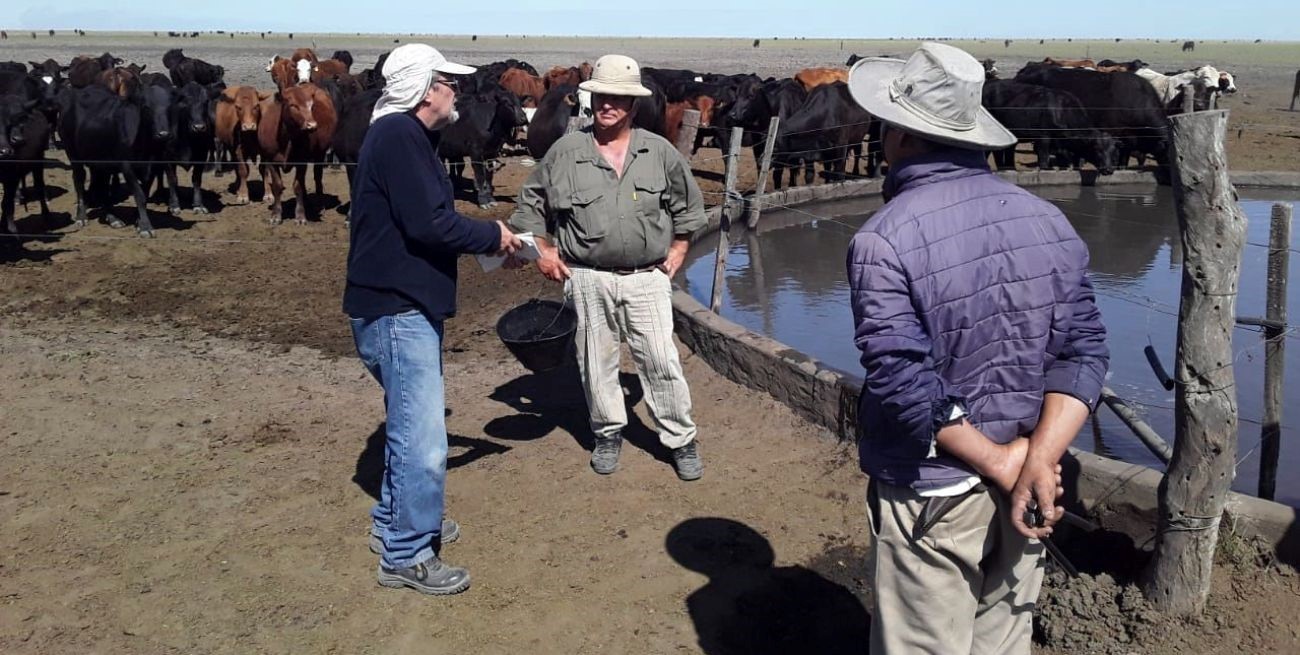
(828,396)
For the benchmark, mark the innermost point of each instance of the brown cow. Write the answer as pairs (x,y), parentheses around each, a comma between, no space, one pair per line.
(528,88)
(327,68)
(297,127)
(1071,63)
(673,113)
(561,75)
(284,73)
(122,82)
(304,53)
(239,111)
(811,78)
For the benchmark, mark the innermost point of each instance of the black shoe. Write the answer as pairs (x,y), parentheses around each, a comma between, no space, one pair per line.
(687,460)
(450,533)
(604,457)
(434,577)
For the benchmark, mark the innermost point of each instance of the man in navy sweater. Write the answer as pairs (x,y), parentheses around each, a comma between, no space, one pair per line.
(401,286)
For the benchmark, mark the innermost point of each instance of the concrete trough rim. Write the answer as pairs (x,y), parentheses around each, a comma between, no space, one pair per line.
(828,397)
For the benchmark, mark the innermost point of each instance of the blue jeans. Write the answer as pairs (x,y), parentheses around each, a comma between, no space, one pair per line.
(404,353)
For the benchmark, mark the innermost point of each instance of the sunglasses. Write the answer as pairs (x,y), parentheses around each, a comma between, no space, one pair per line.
(451,84)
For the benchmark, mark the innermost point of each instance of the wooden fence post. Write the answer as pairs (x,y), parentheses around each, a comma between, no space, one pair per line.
(765,169)
(1270,434)
(1195,486)
(1189,99)
(720,263)
(686,134)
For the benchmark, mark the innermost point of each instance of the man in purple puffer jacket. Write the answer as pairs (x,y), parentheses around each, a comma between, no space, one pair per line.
(984,354)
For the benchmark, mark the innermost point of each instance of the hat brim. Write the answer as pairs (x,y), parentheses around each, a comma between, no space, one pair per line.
(869,81)
(610,89)
(454,69)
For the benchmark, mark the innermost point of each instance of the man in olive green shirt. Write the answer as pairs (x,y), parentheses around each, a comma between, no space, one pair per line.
(613,209)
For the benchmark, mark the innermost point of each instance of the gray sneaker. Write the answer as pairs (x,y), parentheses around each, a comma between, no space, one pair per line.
(604,457)
(434,577)
(687,459)
(450,533)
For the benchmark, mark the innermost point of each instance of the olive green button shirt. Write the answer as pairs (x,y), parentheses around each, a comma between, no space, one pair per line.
(596,218)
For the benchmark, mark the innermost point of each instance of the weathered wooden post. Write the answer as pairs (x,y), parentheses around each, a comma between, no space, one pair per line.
(1189,99)
(686,134)
(720,263)
(765,168)
(1279,249)
(1195,486)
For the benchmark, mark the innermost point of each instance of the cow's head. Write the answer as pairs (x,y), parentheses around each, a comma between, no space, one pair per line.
(296,105)
(248,106)
(192,105)
(1227,83)
(705,105)
(303,68)
(1104,153)
(270,63)
(14,114)
(159,109)
(991,69)
(1206,77)
(749,98)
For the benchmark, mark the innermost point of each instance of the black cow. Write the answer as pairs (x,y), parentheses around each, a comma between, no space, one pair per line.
(188,143)
(1054,121)
(102,131)
(753,110)
(554,110)
(1130,66)
(187,69)
(825,129)
(343,56)
(23,135)
(13,66)
(1121,104)
(354,121)
(488,120)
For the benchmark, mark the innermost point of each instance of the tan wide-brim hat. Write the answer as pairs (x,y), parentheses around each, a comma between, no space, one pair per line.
(936,93)
(615,75)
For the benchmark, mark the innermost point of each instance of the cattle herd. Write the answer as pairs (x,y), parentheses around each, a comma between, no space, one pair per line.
(123,125)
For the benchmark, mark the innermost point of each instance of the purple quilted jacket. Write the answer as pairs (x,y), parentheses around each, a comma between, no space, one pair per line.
(965,287)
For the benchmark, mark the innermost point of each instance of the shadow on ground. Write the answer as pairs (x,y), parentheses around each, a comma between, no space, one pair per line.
(750,606)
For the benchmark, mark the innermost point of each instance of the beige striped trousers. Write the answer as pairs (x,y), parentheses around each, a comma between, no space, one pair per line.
(636,309)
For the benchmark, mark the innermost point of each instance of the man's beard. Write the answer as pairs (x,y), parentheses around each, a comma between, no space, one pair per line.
(453,116)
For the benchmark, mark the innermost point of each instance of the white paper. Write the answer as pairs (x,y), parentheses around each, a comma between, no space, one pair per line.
(528,252)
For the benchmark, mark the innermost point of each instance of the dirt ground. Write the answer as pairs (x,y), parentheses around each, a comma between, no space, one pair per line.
(188,450)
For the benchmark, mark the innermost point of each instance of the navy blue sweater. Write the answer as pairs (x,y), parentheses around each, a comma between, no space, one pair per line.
(406,234)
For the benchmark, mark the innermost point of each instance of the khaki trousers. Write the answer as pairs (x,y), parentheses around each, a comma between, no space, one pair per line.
(967,586)
(637,309)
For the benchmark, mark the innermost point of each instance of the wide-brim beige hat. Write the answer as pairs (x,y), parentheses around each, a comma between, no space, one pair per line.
(615,75)
(936,94)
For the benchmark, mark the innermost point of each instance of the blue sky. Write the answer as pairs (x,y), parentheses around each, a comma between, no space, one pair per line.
(1193,19)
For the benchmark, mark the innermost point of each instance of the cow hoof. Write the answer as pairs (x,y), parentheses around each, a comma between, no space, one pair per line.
(174,211)
(81,222)
(275,221)
(115,222)
(200,209)
(146,234)
(299,221)
(241,200)
(485,205)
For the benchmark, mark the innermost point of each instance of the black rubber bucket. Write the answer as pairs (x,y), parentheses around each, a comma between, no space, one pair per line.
(539,333)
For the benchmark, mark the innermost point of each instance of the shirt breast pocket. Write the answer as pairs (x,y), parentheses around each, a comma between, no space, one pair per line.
(586,209)
(651,198)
